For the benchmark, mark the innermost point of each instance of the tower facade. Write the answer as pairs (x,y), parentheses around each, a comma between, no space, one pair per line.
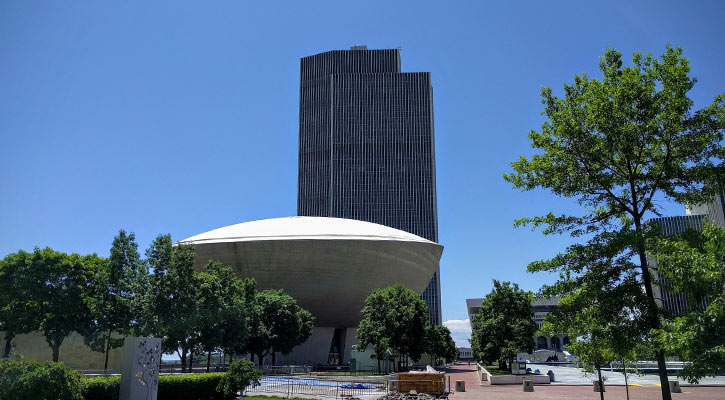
(715,209)
(367,148)
(674,303)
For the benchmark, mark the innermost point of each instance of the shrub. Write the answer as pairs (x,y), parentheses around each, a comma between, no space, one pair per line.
(241,373)
(191,387)
(102,388)
(23,379)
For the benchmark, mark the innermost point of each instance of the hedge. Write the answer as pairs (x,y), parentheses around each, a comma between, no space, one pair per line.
(102,388)
(191,387)
(171,387)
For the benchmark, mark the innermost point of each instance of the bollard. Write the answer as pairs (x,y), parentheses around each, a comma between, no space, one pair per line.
(460,386)
(597,388)
(528,385)
(551,375)
(675,387)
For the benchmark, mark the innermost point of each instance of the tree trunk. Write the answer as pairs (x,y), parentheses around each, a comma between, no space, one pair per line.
(183,359)
(626,385)
(274,357)
(601,384)
(8,346)
(108,348)
(652,311)
(56,351)
(191,361)
(259,355)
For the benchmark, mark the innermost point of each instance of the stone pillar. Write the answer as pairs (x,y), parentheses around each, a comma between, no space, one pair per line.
(140,368)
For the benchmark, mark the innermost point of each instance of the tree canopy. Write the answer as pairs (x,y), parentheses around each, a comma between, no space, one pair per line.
(504,325)
(19,309)
(618,145)
(394,318)
(61,291)
(440,344)
(278,325)
(116,293)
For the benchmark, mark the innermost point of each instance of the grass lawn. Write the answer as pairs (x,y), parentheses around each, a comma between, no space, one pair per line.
(494,371)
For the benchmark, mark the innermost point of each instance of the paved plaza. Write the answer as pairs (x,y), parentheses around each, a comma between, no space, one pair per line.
(575,376)
(579,391)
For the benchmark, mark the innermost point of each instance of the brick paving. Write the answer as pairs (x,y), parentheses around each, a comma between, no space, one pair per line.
(514,392)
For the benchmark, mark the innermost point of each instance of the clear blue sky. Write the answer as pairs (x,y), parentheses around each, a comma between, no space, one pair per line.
(180,117)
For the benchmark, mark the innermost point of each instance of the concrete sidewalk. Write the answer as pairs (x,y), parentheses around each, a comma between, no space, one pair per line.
(474,391)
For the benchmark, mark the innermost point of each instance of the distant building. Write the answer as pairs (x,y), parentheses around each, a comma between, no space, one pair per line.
(367,148)
(540,309)
(465,354)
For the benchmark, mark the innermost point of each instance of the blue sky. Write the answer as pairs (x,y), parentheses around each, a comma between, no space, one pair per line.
(180,117)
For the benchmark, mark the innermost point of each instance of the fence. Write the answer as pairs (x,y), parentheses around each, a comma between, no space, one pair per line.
(317,386)
(286,369)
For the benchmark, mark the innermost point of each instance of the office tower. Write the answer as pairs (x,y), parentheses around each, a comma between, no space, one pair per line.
(715,209)
(367,148)
(674,303)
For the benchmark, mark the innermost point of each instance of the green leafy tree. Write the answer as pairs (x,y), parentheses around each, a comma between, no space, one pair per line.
(595,352)
(440,344)
(61,289)
(616,146)
(19,311)
(237,324)
(601,322)
(394,318)
(118,292)
(695,264)
(222,310)
(282,324)
(174,305)
(504,326)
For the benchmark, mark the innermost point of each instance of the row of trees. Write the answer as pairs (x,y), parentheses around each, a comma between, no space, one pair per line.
(395,323)
(620,145)
(162,295)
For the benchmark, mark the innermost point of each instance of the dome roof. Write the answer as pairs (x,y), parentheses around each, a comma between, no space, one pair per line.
(301,228)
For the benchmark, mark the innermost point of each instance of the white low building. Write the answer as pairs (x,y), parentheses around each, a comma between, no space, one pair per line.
(329,265)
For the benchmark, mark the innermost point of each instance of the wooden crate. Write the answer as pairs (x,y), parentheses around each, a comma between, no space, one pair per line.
(422,383)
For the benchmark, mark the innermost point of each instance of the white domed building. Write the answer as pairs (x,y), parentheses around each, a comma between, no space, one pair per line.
(330,265)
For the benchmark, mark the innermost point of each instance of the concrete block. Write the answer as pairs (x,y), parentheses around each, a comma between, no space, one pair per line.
(140,368)
(675,387)
(460,386)
(598,388)
(528,385)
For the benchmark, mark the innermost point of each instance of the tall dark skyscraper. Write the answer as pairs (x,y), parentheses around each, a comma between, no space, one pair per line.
(367,148)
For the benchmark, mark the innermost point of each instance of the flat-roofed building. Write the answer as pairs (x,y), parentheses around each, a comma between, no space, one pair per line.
(367,146)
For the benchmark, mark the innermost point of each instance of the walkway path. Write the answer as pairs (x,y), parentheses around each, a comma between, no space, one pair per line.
(565,392)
